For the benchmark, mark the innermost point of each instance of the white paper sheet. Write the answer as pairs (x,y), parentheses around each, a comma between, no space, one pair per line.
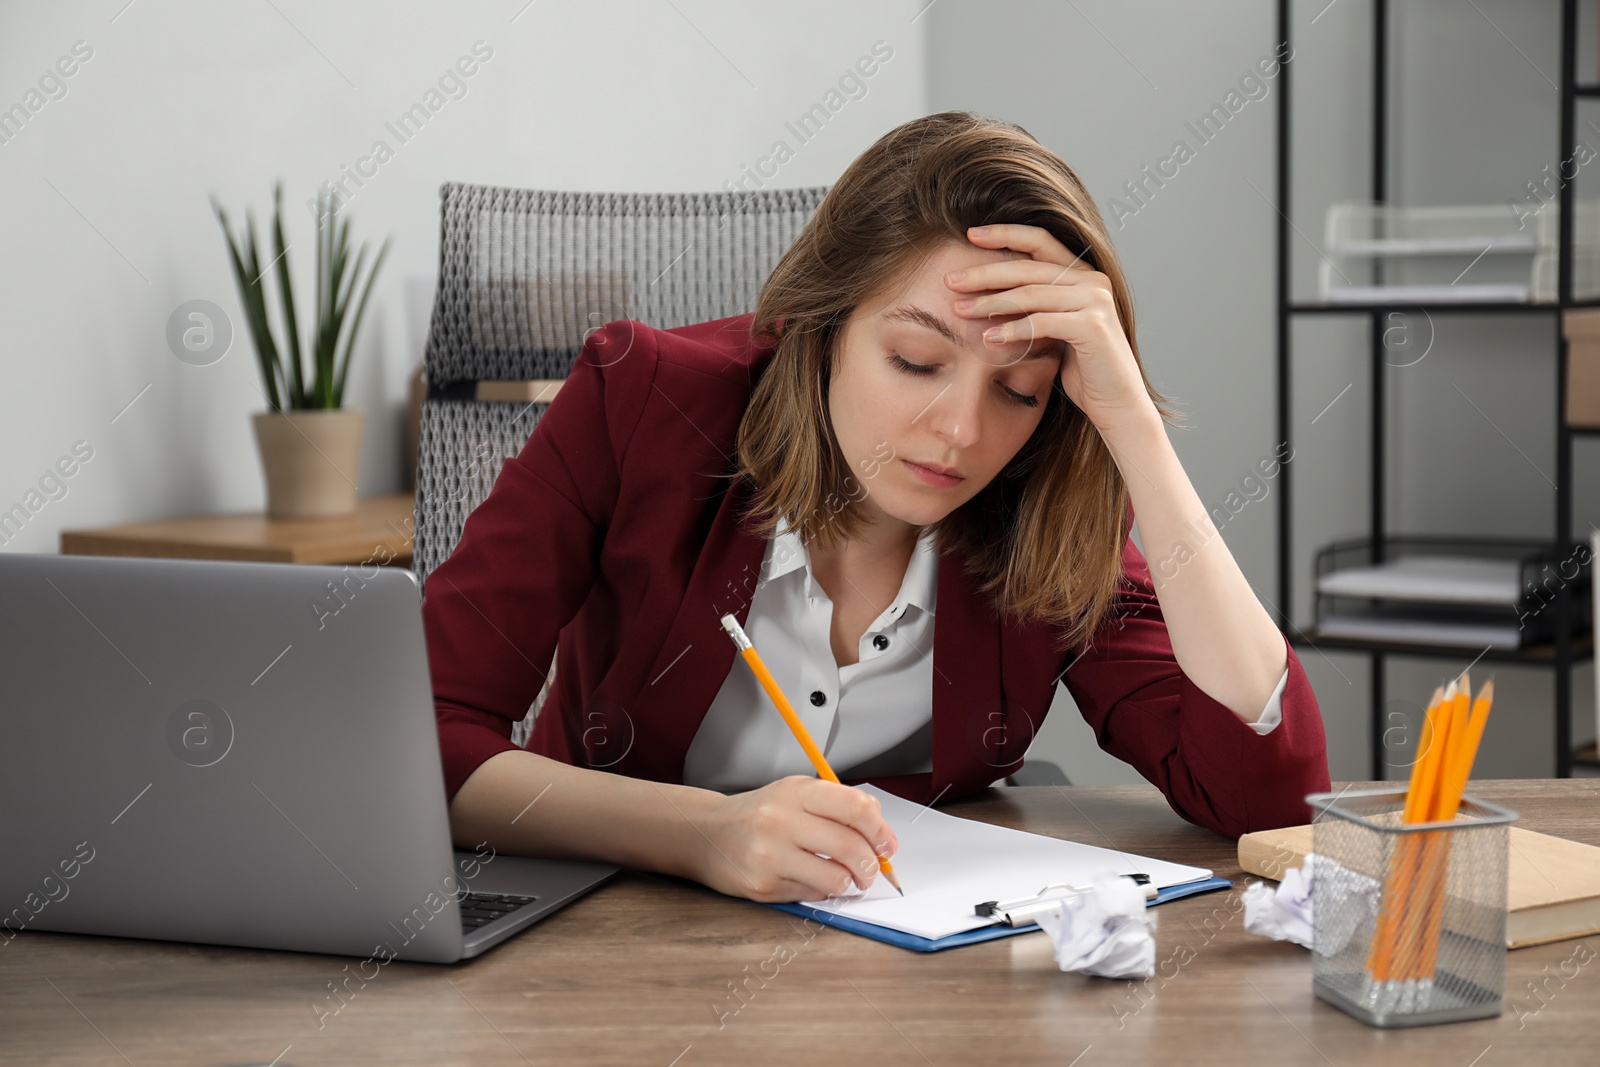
(949,864)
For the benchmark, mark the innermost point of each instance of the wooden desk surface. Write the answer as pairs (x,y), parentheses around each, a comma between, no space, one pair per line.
(641,972)
(381,530)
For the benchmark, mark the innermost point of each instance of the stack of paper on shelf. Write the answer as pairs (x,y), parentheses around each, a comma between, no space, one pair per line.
(1464,601)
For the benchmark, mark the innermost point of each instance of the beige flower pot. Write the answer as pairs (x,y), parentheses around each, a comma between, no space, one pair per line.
(310,460)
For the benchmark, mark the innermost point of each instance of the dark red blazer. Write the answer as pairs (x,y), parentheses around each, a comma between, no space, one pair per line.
(611,541)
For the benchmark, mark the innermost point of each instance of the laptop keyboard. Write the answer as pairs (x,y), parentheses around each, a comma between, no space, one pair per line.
(480,909)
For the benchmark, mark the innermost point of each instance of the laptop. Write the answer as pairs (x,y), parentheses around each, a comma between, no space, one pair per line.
(238,754)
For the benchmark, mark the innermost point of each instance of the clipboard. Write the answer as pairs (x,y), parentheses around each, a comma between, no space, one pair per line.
(968,881)
(1001,927)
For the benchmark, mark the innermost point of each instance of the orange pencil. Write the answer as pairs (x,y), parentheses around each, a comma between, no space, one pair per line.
(1407,938)
(1423,898)
(1462,755)
(1431,737)
(1425,904)
(741,641)
(1380,958)
(1467,751)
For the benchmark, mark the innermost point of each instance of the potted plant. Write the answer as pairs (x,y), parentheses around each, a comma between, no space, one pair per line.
(310,445)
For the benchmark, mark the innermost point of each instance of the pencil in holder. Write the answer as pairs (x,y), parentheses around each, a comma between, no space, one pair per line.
(1408,919)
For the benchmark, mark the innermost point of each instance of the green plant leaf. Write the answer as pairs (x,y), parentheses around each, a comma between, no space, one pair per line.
(258,289)
(355,320)
(331,341)
(286,290)
(331,269)
(328,336)
(259,332)
(255,294)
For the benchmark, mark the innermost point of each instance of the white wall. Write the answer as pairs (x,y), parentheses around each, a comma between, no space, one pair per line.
(107,227)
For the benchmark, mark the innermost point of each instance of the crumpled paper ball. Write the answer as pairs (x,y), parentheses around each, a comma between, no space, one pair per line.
(1106,931)
(1284,913)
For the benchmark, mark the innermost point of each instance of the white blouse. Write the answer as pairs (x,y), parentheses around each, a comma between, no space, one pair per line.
(870,718)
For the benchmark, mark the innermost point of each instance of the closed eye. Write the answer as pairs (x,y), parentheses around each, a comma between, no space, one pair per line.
(922,368)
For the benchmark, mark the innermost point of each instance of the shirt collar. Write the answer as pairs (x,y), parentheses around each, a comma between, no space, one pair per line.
(786,552)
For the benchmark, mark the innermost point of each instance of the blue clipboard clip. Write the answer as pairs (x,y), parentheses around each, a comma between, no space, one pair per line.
(1025,911)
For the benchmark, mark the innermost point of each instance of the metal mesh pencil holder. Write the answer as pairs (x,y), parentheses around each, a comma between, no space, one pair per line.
(1408,920)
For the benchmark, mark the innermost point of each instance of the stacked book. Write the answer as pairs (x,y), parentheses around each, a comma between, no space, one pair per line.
(1462,601)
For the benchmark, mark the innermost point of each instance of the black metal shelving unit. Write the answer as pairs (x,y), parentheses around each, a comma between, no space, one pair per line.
(1567,650)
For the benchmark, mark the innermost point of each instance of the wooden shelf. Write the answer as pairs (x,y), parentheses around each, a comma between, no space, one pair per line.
(380,531)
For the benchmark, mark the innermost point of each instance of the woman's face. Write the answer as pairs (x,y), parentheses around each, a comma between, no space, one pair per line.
(972,409)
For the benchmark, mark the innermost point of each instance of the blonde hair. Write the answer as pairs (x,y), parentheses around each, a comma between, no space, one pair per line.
(1045,536)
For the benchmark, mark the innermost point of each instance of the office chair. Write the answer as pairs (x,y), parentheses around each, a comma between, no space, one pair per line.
(525,275)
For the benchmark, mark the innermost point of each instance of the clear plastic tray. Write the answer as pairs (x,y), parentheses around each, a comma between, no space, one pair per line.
(1457,253)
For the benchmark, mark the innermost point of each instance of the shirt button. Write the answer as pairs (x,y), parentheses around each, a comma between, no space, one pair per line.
(880,642)
(818,697)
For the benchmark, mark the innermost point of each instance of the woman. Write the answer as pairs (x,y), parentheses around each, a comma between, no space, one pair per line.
(936,413)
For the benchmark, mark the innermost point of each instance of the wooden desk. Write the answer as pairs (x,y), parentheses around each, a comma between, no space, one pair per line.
(641,972)
(380,531)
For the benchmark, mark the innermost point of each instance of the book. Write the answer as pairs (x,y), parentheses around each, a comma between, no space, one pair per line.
(1552,891)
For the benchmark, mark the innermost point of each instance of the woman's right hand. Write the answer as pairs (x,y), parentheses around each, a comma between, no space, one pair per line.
(765,844)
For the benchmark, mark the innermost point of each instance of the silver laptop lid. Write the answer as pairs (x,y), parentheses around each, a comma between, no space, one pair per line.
(232,753)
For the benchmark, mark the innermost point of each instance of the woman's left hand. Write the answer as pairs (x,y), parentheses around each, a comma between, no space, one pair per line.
(1064,299)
